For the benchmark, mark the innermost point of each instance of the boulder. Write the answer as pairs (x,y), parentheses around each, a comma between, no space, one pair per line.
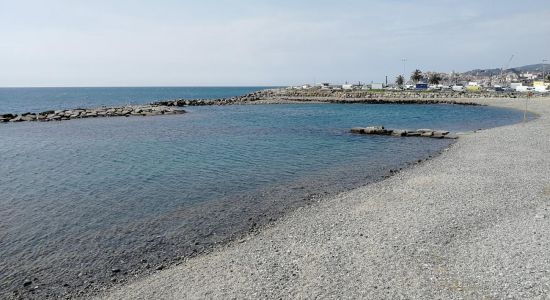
(424,130)
(427,133)
(29,117)
(377,130)
(413,133)
(8,116)
(17,119)
(437,135)
(399,132)
(359,130)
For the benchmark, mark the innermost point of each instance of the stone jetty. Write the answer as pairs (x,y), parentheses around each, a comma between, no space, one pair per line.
(380,130)
(248,98)
(267,96)
(82,113)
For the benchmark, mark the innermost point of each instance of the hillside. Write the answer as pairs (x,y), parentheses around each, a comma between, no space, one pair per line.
(496,71)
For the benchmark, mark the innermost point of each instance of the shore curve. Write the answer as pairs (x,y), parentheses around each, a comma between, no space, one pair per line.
(471,223)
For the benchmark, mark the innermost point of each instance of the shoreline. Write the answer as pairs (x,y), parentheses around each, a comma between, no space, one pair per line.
(267,96)
(304,251)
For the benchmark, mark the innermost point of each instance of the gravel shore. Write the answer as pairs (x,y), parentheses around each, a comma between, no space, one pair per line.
(471,223)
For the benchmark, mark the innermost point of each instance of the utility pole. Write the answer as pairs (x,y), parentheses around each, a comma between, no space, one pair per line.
(543,69)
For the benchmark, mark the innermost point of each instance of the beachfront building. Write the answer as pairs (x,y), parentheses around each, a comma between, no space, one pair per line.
(377,86)
(528,76)
(514,85)
(541,86)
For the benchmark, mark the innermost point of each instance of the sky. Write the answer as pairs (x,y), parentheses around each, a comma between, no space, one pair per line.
(260,42)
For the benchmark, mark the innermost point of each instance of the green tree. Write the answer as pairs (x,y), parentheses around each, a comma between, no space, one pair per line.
(416,76)
(400,80)
(434,78)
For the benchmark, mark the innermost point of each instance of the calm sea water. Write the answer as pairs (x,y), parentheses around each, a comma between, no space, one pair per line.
(21,100)
(82,197)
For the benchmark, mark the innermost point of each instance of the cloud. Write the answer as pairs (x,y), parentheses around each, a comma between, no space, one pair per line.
(258,42)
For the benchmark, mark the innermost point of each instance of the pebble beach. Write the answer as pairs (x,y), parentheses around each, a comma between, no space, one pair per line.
(471,223)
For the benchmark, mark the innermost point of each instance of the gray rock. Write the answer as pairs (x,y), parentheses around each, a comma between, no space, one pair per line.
(413,133)
(441,132)
(17,119)
(424,130)
(399,132)
(427,133)
(437,135)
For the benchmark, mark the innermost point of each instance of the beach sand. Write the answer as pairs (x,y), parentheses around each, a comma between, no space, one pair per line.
(471,223)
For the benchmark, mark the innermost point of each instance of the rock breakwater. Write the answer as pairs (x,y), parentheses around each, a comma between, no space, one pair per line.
(82,113)
(380,130)
(260,95)
(392,94)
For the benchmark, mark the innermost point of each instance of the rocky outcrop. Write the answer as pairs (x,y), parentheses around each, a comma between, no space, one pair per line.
(82,113)
(260,95)
(380,130)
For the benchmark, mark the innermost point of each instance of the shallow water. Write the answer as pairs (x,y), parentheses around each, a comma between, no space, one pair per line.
(82,197)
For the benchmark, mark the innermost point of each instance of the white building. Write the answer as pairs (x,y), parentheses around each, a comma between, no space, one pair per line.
(528,76)
(514,85)
(377,86)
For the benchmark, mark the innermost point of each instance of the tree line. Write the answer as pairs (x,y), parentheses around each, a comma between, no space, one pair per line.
(417,76)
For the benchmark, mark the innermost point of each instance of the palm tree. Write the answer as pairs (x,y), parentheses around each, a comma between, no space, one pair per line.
(416,76)
(400,80)
(434,78)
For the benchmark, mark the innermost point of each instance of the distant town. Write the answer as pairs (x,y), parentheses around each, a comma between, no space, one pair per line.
(531,78)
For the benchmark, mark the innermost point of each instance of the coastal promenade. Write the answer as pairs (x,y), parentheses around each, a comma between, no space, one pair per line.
(471,223)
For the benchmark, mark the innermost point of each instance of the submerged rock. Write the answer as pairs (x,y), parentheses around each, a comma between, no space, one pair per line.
(380,130)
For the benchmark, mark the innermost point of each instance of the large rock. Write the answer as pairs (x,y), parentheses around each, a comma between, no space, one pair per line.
(424,130)
(427,134)
(28,117)
(437,135)
(8,116)
(377,130)
(359,130)
(17,119)
(399,132)
(413,133)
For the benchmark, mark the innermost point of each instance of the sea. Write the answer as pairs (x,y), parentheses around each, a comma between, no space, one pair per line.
(91,203)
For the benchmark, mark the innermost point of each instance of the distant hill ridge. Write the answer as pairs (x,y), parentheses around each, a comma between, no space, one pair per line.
(496,71)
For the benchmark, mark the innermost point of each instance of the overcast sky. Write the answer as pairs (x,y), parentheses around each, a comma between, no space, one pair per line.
(260,42)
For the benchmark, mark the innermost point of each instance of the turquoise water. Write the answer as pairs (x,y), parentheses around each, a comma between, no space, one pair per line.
(82,197)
